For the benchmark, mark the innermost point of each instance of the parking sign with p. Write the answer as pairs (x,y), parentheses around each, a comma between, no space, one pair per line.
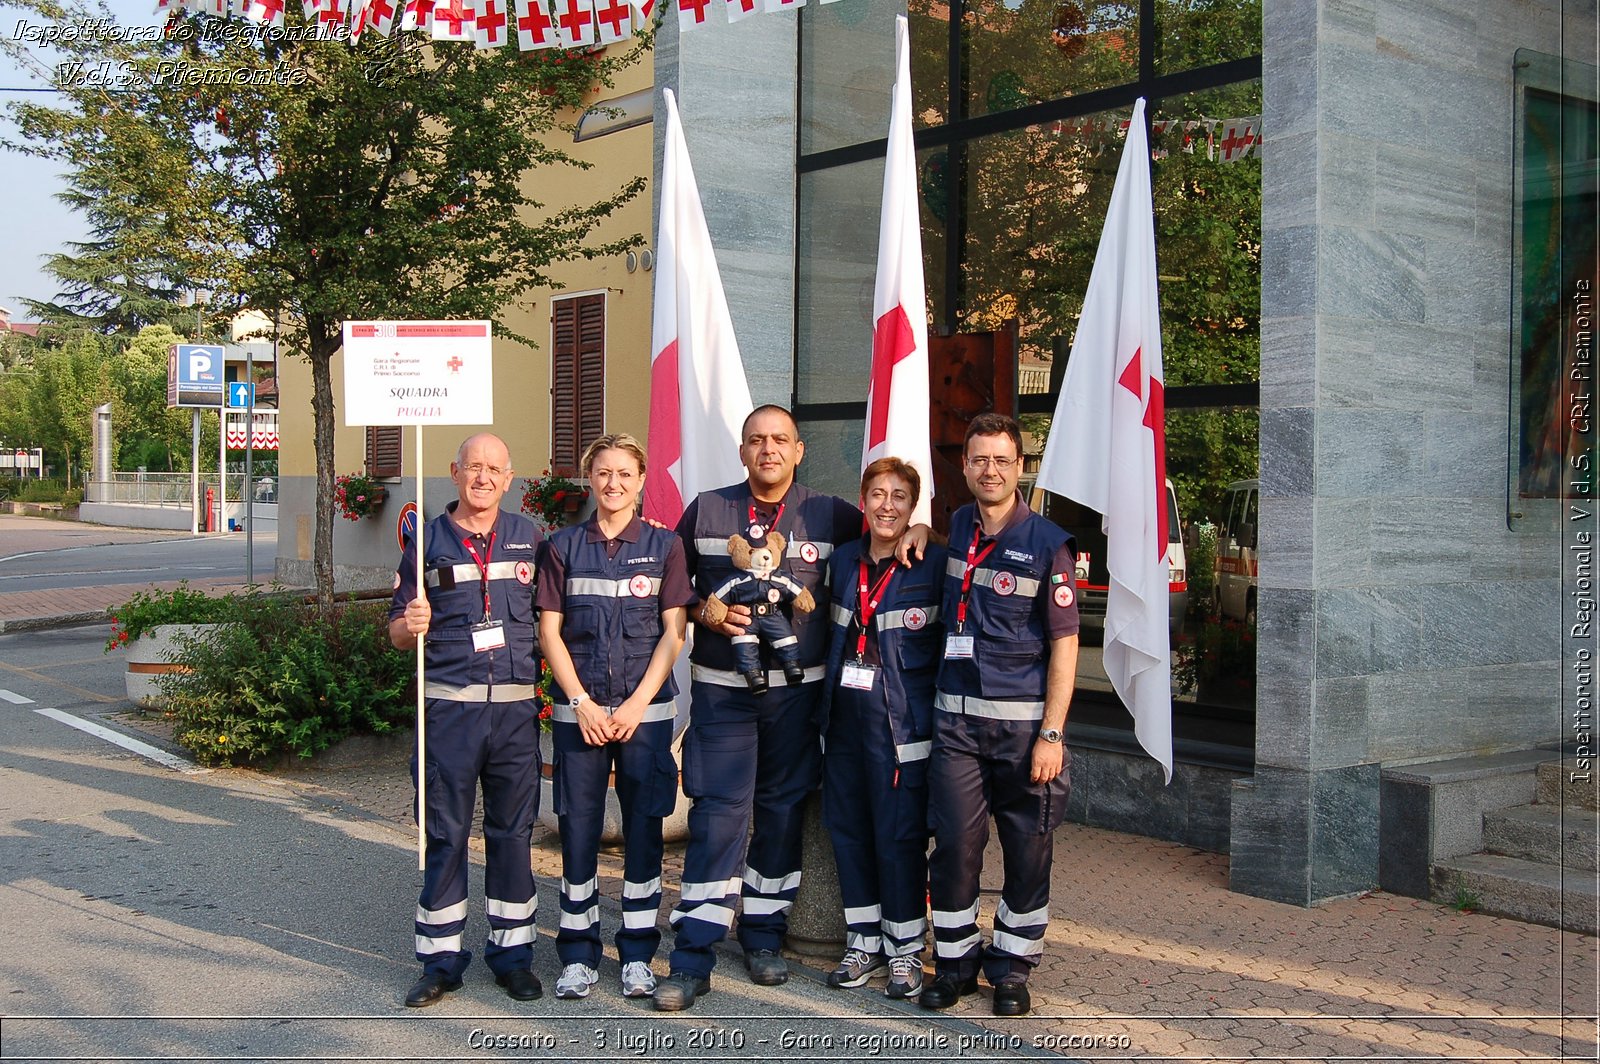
(194,375)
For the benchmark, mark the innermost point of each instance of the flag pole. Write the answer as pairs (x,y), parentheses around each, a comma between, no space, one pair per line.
(422,728)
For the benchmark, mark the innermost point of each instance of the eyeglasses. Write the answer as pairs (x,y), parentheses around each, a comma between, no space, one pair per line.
(1000,465)
(477,469)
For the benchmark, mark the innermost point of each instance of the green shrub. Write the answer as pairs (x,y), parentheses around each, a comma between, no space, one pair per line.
(180,605)
(288,678)
(32,490)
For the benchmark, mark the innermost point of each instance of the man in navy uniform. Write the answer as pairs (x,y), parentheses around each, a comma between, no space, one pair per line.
(1010,658)
(482,668)
(745,752)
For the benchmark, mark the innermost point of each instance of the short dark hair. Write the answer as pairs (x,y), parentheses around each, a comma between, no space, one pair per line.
(894,467)
(744,429)
(993,425)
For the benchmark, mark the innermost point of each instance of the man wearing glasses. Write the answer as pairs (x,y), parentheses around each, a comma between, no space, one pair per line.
(482,720)
(1010,657)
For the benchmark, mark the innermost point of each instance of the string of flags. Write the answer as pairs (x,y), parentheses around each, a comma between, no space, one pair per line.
(263,435)
(1226,140)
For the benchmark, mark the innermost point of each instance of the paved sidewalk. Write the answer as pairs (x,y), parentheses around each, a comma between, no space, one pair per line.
(1150,956)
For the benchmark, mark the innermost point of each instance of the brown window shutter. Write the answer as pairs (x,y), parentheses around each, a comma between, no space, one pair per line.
(577,378)
(383,451)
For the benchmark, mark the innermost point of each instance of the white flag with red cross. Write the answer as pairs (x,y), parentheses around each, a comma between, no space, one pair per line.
(574,23)
(535,28)
(692,14)
(266,12)
(897,395)
(1108,446)
(644,13)
(699,397)
(358,19)
(742,9)
(378,16)
(331,15)
(1239,138)
(613,20)
(489,28)
(417,15)
(454,20)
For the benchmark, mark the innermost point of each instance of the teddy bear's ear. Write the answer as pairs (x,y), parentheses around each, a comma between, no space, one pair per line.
(775,543)
(739,551)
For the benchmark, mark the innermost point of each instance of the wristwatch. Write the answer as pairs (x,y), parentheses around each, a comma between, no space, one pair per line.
(1050,735)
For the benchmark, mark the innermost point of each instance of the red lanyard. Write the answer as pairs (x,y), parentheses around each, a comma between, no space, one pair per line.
(483,567)
(974,556)
(869,603)
(754,524)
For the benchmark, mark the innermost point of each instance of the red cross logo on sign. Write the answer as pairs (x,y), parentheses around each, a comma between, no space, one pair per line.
(524,573)
(915,619)
(808,552)
(639,586)
(1004,583)
(455,364)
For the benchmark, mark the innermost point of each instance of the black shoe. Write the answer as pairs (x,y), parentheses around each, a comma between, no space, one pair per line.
(677,991)
(946,990)
(1011,999)
(766,967)
(757,682)
(793,674)
(430,990)
(521,984)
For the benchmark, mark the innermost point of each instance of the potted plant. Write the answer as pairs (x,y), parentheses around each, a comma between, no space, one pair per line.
(154,625)
(552,499)
(358,495)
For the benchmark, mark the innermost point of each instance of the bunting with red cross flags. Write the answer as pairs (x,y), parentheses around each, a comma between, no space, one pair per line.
(742,9)
(453,20)
(613,20)
(535,28)
(417,15)
(1107,445)
(574,23)
(378,16)
(692,14)
(1239,138)
(266,12)
(489,28)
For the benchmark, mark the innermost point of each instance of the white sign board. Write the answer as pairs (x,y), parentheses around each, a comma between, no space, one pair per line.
(418,373)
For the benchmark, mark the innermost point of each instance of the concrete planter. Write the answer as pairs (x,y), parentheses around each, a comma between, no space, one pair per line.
(157,653)
(674,828)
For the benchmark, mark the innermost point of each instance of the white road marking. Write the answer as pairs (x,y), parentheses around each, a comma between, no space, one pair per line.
(14,698)
(142,749)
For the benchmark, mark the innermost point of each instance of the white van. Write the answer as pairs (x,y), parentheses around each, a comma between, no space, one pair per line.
(1093,578)
(1236,553)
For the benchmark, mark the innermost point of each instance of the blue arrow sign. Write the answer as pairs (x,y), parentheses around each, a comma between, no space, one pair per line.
(240,394)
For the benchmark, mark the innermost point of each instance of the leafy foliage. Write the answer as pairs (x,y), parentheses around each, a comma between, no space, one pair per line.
(358,496)
(179,605)
(327,181)
(546,497)
(289,679)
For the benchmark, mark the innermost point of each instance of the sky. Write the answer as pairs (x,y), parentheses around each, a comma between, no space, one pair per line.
(35,224)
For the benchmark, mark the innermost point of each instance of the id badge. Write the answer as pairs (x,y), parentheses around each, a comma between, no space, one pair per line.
(488,635)
(858,677)
(958,646)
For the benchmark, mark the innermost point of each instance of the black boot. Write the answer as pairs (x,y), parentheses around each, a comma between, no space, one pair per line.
(757,682)
(793,673)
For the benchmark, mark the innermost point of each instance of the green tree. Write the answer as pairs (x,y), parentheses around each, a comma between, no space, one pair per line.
(147,432)
(48,400)
(329,182)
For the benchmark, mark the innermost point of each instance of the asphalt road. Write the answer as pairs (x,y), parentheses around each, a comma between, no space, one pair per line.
(160,913)
(28,562)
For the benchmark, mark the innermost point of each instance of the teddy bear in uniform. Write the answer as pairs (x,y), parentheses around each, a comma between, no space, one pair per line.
(765,591)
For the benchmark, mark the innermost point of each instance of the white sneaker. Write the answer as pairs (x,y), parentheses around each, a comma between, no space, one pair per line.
(638,980)
(575,981)
(905,976)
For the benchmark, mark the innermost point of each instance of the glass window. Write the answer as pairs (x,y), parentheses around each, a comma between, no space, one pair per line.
(1021,52)
(847,70)
(1198,33)
(833,456)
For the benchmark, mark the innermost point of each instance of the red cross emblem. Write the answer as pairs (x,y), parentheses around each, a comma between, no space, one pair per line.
(535,23)
(772,594)
(915,619)
(574,21)
(271,10)
(616,16)
(331,13)
(639,586)
(379,12)
(1004,583)
(491,24)
(808,552)
(455,363)
(453,15)
(697,9)
(1063,595)
(524,573)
